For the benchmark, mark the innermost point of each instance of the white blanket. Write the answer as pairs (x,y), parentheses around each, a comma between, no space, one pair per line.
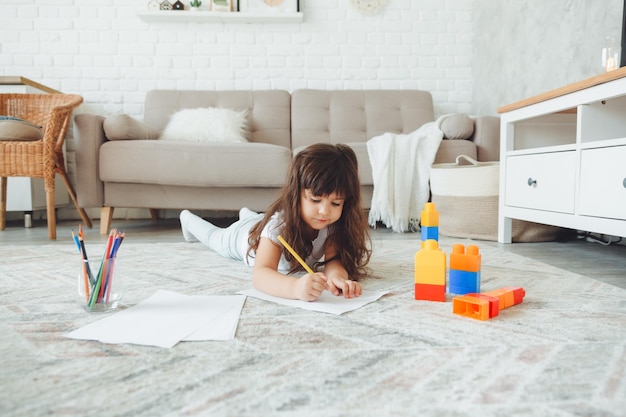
(401,170)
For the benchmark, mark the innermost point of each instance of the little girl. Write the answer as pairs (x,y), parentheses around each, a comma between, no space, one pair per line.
(318,213)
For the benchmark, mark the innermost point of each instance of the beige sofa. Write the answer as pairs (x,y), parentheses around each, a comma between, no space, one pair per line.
(160,174)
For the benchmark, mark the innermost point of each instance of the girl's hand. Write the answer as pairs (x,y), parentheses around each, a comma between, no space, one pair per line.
(309,287)
(349,288)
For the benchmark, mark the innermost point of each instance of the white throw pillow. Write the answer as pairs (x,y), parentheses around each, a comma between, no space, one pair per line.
(211,124)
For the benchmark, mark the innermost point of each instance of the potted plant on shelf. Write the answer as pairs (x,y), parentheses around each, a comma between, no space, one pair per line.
(195,5)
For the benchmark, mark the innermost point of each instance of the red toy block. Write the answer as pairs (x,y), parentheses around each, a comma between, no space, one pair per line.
(430,292)
(494,303)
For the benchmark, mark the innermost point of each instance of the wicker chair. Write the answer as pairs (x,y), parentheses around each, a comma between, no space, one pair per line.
(42,158)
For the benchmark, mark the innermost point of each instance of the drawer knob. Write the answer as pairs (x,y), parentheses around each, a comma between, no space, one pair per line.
(624,183)
(532,182)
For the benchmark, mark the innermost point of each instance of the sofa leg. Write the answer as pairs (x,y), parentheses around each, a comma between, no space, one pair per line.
(154,214)
(106,216)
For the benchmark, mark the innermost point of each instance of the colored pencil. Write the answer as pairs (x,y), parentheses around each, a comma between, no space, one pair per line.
(295,255)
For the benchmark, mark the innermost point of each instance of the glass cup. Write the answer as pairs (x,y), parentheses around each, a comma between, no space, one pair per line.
(611,54)
(99,289)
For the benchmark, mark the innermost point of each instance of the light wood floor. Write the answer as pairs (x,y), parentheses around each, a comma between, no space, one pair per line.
(594,260)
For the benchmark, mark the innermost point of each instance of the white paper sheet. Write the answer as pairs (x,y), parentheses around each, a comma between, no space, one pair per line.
(224,326)
(326,303)
(165,319)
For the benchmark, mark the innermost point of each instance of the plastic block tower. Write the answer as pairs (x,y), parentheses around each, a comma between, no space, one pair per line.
(487,305)
(430,272)
(429,222)
(464,276)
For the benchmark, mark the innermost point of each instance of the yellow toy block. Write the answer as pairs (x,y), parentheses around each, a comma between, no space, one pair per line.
(430,216)
(430,264)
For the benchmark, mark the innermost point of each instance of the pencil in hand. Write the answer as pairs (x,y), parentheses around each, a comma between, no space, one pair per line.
(295,255)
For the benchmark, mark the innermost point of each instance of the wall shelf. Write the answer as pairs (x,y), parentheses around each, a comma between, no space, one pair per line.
(185,16)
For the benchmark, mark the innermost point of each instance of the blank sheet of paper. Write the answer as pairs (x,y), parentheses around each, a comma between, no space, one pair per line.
(326,303)
(165,319)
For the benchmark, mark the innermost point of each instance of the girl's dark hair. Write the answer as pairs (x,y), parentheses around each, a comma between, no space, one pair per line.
(323,169)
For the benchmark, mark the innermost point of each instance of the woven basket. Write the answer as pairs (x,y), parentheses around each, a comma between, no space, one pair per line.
(466,196)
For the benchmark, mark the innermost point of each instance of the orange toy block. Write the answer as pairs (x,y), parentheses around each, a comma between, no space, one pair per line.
(472,307)
(429,292)
(465,259)
(487,305)
(430,216)
(494,303)
(508,296)
(430,264)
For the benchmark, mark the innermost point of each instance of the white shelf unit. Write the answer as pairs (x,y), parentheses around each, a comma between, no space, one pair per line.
(186,16)
(563,158)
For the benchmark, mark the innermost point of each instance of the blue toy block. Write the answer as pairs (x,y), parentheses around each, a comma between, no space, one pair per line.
(430,232)
(463,282)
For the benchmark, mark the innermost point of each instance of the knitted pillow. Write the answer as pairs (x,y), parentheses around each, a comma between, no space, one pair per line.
(14,128)
(456,126)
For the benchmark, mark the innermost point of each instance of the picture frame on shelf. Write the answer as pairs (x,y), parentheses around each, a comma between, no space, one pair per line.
(222,5)
(269,6)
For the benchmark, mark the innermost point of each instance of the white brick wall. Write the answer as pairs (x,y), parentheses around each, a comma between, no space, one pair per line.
(103,51)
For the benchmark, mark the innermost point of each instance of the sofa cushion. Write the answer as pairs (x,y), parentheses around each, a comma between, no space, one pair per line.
(456,126)
(211,124)
(13,128)
(351,116)
(194,164)
(124,127)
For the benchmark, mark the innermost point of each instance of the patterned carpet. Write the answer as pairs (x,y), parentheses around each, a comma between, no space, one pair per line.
(562,352)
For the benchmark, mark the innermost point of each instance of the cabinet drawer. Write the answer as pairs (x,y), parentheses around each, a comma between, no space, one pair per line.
(541,181)
(603,182)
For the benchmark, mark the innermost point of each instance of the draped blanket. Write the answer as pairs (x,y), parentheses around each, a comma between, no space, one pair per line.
(401,171)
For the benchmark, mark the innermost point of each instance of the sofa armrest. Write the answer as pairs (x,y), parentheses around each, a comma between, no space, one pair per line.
(88,137)
(487,137)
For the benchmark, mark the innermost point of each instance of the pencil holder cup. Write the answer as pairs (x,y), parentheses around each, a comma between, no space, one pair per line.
(99,288)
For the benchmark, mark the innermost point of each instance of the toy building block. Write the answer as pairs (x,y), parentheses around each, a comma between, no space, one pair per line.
(464,269)
(430,272)
(487,305)
(429,232)
(508,296)
(472,307)
(429,222)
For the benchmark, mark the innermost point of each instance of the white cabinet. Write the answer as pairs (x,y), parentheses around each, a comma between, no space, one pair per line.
(603,182)
(563,158)
(532,182)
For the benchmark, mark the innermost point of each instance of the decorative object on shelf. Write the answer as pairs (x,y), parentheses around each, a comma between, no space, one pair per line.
(178,5)
(195,5)
(166,5)
(154,5)
(271,6)
(610,54)
(369,7)
(222,5)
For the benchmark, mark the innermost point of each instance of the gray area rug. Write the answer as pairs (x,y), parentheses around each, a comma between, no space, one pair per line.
(562,352)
